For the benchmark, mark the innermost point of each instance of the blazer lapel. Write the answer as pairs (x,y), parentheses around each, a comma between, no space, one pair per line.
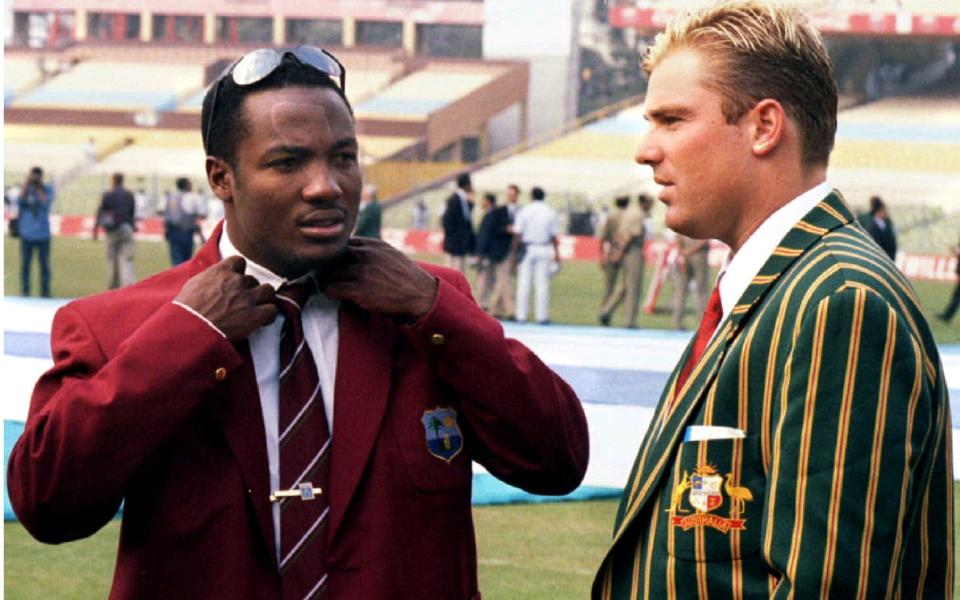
(364,364)
(672,417)
(209,253)
(240,416)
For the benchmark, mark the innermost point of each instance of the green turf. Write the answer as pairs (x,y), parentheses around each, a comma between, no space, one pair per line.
(513,543)
(79,269)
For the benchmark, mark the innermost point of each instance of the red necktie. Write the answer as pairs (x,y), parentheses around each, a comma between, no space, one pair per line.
(711,318)
(304,456)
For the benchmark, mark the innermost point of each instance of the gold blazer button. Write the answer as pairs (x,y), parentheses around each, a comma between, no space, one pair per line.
(220,374)
(437,339)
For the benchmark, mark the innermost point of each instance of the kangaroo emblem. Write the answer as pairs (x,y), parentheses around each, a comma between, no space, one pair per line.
(678,491)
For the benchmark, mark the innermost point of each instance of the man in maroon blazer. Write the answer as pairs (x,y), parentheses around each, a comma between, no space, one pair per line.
(164,394)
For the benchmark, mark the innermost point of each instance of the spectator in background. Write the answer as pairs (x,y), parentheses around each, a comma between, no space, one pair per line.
(458,237)
(628,254)
(494,242)
(115,216)
(89,153)
(947,314)
(33,227)
(180,215)
(370,215)
(536,228)
(144,204)
(691,266)
(421,215)
(880,227)
(610,252)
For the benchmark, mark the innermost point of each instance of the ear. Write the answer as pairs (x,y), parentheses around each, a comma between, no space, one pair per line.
(220,177)
(768,120)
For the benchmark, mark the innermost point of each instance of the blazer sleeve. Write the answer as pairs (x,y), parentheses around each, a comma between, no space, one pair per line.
(94,419)
(859,460)
(526,424)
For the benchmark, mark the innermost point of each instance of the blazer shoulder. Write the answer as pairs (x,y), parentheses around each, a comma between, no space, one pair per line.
(133,302)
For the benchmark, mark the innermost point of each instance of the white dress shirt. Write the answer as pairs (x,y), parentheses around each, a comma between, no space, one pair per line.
(536,223)
(743,266)
(322,331)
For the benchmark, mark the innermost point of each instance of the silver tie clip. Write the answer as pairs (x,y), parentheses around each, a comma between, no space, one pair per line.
(304,491)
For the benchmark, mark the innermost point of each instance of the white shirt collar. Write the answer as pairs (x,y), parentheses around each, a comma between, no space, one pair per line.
(747,262)
(258,272)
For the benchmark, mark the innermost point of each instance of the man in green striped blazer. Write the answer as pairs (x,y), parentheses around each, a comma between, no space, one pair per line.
(805,450)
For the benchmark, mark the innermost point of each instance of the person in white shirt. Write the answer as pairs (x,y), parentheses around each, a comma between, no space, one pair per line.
(536,227)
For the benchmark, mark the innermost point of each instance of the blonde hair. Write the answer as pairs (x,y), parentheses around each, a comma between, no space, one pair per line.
(759,50)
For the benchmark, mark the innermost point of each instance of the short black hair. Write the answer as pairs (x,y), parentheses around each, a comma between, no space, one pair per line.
(622,201)
(491,198)
(37,171)
(229,126)
(463,181)
(537,193)
(183,184)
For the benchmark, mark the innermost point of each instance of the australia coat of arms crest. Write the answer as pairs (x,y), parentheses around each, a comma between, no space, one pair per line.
(705,490)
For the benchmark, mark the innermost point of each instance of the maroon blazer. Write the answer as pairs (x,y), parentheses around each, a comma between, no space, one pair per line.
(147,404)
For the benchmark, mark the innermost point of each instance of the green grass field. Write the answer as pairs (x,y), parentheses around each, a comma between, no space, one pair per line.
(523,554)
(79,269)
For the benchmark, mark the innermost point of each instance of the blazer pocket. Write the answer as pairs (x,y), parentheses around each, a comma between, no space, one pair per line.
(432,448)
(713,505)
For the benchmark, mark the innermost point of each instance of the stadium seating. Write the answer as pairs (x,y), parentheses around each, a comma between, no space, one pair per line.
(19,74)
(593,162)
(422,92)
(116,86)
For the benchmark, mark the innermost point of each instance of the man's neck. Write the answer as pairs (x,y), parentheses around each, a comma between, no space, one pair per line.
(768,199)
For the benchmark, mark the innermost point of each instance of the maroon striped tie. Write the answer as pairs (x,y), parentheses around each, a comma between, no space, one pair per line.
(304,456)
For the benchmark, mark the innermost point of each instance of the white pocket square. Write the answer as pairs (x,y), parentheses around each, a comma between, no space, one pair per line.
(699,433)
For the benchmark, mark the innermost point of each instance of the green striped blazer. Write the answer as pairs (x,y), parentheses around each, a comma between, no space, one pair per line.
(843,484)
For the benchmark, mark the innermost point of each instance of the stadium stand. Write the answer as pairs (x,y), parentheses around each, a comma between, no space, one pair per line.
(593,162)
(19,75)
(116,85)
(423,92)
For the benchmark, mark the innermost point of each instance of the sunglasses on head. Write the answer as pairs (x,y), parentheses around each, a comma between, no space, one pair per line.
(258,64)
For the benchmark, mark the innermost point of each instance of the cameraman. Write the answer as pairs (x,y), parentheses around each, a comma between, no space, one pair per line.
(34,202)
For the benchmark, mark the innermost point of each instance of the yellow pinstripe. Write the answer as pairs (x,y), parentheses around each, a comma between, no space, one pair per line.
(671,543)
(809,228)
(635,575)
(805,299)
(649,558)
(924,543)
(875,457)
(700,541)
(787,252)
(806,434)
(737,459)
(840,453)
(831,211)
